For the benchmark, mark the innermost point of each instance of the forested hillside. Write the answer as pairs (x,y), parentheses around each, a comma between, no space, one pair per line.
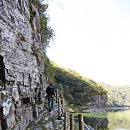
(81,91)
(118,95)
(76,89)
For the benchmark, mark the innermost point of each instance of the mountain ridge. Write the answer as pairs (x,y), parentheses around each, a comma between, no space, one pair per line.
(117,95)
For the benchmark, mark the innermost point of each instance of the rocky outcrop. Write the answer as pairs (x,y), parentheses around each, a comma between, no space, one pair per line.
(22,80)
(98,101)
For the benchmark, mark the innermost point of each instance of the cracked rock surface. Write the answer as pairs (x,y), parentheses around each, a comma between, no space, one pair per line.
(22,80)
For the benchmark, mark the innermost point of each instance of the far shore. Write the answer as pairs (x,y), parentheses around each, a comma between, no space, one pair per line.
(106,109)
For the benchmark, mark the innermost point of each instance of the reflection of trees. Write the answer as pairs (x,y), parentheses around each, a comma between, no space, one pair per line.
(97,123)
(121,123)
(119,119)
(109,120)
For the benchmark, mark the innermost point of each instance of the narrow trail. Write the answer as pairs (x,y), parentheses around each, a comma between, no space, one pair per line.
(51,121)
(48,120)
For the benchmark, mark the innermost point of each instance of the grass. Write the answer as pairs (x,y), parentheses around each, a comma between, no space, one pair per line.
(96,114)
(115,115)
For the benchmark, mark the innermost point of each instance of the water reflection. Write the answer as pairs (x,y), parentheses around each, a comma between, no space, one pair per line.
(115,120)
(97,123)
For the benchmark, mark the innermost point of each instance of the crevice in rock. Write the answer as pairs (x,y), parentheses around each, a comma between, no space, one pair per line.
(2,119)
(2,70)
(12,19)
(26,100)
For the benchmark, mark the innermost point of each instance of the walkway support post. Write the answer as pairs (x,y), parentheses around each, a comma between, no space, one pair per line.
(1,117)
(59,111)
(65,121)
(71,121)
(62,102)
(81,125)
(62,105)
(56,96)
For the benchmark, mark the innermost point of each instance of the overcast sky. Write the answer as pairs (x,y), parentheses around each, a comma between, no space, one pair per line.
(92,38)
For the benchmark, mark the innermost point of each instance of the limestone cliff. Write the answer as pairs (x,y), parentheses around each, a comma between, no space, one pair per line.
(22,80)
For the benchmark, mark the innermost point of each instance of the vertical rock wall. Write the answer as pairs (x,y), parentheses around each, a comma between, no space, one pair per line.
(23,89)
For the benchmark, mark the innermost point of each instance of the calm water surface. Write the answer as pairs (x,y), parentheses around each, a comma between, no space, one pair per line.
(115,120)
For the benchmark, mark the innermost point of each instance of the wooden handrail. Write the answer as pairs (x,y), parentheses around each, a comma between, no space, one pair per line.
(71,118)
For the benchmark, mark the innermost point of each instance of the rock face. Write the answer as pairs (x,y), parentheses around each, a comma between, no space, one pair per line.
(98,101)
(22,80)
(95,102)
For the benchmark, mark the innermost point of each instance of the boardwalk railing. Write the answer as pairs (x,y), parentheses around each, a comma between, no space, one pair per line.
(60,101)
(69,117)
(82,125)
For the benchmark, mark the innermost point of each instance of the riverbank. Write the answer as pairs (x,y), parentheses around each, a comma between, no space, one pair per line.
(112,120)
(106,109)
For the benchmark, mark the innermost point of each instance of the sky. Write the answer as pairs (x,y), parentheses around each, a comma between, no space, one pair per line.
(92,38)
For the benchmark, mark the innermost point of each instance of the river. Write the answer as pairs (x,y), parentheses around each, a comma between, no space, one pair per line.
(114,120)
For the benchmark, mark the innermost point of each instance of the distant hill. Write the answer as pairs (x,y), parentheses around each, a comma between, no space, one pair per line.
(117,95)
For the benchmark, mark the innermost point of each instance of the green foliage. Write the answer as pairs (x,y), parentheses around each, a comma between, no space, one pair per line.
(49,71)
(76,110)
(60,87)
(76,89)
(118,96)
(37,2)
(71,106)
(47,33)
